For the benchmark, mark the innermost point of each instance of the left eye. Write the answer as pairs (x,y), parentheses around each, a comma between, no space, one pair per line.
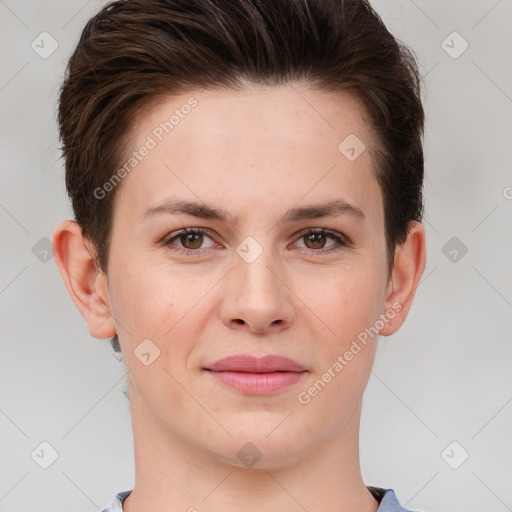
(315,236)
(192,239)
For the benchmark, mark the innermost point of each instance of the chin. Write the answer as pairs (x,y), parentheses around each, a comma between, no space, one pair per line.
(258,448)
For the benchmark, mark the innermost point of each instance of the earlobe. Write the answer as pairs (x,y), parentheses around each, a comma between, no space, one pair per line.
(86,284)
(408,268)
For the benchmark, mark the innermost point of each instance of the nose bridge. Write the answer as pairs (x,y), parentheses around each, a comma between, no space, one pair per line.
(257,265)
(258,295)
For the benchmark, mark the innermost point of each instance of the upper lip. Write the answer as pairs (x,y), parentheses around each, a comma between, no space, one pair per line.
(251,364)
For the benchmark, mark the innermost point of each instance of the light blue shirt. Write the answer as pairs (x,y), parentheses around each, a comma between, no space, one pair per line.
(386,497)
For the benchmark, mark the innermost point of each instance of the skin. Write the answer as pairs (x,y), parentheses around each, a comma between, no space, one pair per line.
(256,154)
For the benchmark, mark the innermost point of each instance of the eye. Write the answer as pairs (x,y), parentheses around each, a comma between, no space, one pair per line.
(316,237)
(191,240)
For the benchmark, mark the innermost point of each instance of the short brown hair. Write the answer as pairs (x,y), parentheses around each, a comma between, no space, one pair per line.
(134,51)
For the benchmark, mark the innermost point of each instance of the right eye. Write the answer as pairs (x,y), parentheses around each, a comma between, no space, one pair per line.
(192,236)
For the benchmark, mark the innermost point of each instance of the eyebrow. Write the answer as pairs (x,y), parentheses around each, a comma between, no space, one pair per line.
(334,208)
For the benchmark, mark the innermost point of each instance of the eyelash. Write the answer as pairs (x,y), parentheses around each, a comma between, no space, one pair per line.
(340,239)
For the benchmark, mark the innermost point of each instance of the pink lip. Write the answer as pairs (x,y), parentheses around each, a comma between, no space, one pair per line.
(258,376)
(246,363)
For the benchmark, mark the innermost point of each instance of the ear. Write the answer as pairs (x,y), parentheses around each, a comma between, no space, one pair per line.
(409,263)
(85,282)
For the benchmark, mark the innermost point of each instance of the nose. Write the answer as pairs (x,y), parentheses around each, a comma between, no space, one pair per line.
(256,296)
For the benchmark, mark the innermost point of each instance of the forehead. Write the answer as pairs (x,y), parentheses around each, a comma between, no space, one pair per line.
(257,145)
(258,107)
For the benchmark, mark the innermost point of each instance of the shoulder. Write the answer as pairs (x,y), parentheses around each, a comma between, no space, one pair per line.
(387,499)
(117,502)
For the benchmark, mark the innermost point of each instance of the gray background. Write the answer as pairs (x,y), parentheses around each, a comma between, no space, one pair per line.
(444,377)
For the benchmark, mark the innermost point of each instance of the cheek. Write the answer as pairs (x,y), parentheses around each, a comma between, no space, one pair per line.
(164,304)
(351,304)
(350,307)
(139,293)
(144,303)
(151,306)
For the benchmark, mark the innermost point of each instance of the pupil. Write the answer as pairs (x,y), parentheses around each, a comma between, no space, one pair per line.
(314,236)
(190,239)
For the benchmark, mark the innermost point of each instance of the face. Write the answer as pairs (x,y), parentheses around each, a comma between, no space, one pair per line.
(259,278)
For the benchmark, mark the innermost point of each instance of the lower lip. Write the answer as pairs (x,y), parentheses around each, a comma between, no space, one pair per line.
(258,383)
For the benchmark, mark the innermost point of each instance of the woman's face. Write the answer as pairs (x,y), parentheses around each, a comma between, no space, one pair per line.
(256,282)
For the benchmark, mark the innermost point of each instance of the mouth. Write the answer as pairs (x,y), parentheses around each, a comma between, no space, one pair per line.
(258,383)
(256,376)
(252,364)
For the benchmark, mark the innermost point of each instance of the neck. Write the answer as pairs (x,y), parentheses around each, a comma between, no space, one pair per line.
(171,475)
